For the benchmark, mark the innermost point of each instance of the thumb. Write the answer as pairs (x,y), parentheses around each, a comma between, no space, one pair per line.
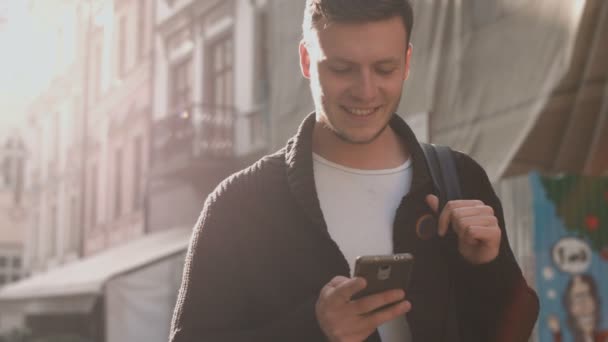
(433,202)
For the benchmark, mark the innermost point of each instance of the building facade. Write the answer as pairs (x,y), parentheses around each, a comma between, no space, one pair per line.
(53,136)
(210,104)
(118,110)
(123,148)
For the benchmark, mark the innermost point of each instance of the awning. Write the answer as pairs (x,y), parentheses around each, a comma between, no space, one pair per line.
(571,133)
(74,287)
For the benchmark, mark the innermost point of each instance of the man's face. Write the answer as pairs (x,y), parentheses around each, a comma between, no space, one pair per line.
(356,72)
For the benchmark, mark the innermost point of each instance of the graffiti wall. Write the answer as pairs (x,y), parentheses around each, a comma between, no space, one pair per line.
(571,247)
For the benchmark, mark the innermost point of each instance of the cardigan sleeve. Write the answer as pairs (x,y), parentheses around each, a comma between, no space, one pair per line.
(493,297)
(214,301)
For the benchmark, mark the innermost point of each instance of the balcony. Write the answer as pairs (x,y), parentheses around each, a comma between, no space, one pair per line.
(192,151)
(205,137)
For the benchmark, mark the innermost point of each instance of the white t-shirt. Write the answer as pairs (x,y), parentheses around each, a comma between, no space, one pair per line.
(359,208)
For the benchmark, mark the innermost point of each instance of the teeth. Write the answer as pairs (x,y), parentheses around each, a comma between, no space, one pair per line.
(359,111)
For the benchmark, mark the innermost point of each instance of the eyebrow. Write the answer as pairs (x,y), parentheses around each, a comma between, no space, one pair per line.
(347,61)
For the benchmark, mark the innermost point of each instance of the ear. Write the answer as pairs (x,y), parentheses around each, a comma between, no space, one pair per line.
(304,60)
(408,57)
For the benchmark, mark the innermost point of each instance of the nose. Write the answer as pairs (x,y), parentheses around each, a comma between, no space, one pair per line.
(365,88)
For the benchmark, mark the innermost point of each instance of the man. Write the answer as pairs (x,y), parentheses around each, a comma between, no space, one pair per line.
(272,255)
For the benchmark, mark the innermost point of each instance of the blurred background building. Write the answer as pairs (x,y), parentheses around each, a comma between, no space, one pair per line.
(158,100)
(13,217)
(12,210)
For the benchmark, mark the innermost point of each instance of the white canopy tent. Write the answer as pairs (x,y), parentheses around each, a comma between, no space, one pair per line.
(138,283)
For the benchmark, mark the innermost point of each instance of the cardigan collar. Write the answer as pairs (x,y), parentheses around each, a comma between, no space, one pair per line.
(299,162)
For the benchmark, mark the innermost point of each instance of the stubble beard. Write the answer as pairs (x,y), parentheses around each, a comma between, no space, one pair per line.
(345,137)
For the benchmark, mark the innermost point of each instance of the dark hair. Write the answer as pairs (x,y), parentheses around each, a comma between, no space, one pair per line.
(357,11)
(567,301)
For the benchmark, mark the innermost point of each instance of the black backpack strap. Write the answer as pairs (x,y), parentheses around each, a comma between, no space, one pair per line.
(442,167)
(449,172)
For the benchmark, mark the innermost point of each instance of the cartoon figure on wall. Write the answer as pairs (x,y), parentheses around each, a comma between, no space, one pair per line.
(582,304)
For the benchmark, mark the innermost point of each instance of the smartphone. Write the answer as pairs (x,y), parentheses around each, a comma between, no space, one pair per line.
(383,272)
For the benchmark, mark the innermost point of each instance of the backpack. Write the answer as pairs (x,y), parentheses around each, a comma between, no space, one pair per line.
(442,167)
(519,317)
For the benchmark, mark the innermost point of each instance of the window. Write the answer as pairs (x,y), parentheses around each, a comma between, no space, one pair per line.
(35,240)
(96,65)
(3,261)
(35,159)
(93,200)
(7,170)
(74,123)
(53,230)
(141,29)
(57,134)
(258,123)
(19,180)
(137,163)
(16,277)
(181,86)
(118,183)
(220,97)
(122,46)
(74,223)
(16,262)
(261,56)
(3,279)
(54,144)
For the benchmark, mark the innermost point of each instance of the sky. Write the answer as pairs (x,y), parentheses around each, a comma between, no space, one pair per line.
(29,56)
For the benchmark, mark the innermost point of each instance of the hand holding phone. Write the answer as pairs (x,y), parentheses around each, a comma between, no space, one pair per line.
(383,272)
(341,318)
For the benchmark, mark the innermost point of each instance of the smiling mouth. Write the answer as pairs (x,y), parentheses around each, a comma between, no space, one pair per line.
(361,111)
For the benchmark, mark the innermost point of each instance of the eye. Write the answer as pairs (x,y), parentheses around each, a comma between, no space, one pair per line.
(340,69)
(385,70)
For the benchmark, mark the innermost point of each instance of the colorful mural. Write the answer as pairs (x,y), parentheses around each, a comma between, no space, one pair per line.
(571,246)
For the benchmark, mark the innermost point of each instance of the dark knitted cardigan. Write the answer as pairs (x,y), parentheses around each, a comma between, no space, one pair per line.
(260,253)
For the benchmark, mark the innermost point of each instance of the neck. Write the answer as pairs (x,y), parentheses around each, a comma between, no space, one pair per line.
(384,152)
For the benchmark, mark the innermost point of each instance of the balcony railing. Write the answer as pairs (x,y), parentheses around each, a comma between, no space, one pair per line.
(203,131)
(216,130)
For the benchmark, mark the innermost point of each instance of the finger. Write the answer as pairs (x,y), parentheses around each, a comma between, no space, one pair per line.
(337,280)
(333,283)
(382,316)
(477,234)
(467,238)
(446,214)
(345,290)
(482,210)
(372,302)
(433,202)
(461,224)
(328,292)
